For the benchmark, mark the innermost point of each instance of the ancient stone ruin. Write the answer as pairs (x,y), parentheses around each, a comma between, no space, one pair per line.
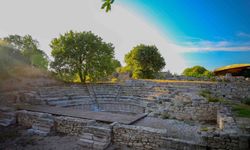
(137,114)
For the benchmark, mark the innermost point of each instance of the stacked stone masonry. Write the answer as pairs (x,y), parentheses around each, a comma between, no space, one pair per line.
(180,101)
(98,136)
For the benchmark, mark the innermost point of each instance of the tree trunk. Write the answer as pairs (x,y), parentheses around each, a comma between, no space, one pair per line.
(84,75)
(80,75)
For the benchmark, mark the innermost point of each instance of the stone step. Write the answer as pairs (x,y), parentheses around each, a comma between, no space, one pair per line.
(97,129)
(63,90)
(6,109)
(68,98)
(38,132)
(106,95)
(7,115)
(86,143)
(44,124)
(67,103)
(95,137)
(100,145)
(45,120)
(7,122)
(41,128)
(62,94)
(106,99)
(92,144)
(87,136)
(56,101)
(49,99)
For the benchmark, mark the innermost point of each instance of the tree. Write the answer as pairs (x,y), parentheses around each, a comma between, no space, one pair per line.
(107,5)
(197,71)
(144,61)
(9,58)
(82,54)
(29,49)
(116,63)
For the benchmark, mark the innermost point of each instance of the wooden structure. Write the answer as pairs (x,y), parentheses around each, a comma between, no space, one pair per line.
(234,70)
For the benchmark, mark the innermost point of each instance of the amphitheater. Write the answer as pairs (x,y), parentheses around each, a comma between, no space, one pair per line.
(136,114)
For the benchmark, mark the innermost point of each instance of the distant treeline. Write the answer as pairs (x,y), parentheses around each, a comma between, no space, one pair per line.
(84,57)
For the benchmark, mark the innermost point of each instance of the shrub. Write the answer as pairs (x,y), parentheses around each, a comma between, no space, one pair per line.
(205,129)
(242,110)
(165,115)
(114,80)
(198,71)
(205,93)
(246,101)
(213,99)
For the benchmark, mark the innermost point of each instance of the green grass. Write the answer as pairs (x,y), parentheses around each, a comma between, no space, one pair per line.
(205,93)
(208,95)
(204,129)
(165,115)
(241,110)
(213,99)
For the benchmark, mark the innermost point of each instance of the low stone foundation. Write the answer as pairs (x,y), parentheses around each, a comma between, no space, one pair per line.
(71,126)
(28,118)
(137,137)
(62,124)
(132,136)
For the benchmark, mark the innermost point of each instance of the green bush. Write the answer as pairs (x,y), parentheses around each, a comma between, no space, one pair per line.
(204,129)
(205,93)
(198,71)
(246,101)
(213,99)
(165,115)
(242,110)
(208,95)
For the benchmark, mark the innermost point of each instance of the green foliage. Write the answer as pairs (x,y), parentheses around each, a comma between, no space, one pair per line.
(246,101)
(208,95)
(197,71)
(208,74)
(39,59)
(165,115)
(144,61)
(29,49)
(204,129)
(116,64)
(82,54)
(205,93)
(107,5)
(213,99)
(242,110)
(9,57)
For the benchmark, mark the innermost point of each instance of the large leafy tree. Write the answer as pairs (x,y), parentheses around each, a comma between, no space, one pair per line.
(29,49)
(82,54)
(197,71)
(144,61)
(10,58)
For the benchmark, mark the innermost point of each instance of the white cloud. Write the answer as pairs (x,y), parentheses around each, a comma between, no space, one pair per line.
(217,46)
(46,19)
(243,34)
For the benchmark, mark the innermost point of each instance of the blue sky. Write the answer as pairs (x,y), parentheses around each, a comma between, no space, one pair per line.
(218,29)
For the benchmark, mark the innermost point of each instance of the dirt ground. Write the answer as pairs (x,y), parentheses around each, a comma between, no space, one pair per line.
(17,138)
